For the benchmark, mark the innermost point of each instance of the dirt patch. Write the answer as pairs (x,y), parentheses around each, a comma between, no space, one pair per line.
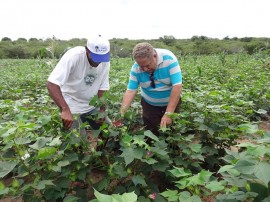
(15,199)
(265,125)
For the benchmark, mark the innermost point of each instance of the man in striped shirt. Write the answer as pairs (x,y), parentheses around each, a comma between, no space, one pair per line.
(158,74)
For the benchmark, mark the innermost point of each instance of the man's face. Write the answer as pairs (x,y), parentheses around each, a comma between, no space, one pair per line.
(90,60)
(147,64)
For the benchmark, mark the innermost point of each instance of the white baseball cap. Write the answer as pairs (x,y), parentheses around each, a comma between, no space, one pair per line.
(99,48)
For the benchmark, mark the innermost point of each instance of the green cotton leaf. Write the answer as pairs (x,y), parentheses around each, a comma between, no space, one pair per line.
(71,198)
(5,133)
(40,143)
(194,198)
(63,163)
(27,125)
(199,120)
(81,174)
(230,169)
(62,182)
(22,141)
(164,129)
(179,172)
(126,197)
(46,152)
(267,198)
(128,155)
(161,166)
(4,191)
(148,133)
(211,131)
(56,168)
(137,179)
(159,151)
(139,140)
(55,142)
(120,171)
(6,167)
(248,128)
(203,127)
(262,172)
(42,184)
(138,153)
(216,186)
(72,157)
(184,196)
(102,197)
(101,185)
(258,151)
(183,183)
(2,185)
(196,147)
(265,138)
(214,93)
(149,161)
(245,167)
(225,168)
(201,178)
(261,111)
(238,195)
(129,115)
(44,119)
(171,195)
(126,139)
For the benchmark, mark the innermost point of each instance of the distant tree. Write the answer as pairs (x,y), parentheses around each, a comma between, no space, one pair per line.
(246,39)
(16,52)
(204,38)
(194,38)
(6,39)
(54,48)
(168,40)
(33,39)
(21,40)
(254,47)
(201,38)
(226,38)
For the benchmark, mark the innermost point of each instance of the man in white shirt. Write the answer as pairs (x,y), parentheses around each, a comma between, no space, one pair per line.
(81,73)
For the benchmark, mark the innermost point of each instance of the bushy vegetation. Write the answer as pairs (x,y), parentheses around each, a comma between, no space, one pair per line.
(214,151)
(122,48)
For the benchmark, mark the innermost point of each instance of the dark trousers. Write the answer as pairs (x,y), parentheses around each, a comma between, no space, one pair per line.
(152,115)
(89,118)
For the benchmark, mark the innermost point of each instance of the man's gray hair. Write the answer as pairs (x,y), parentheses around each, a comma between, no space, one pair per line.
(143,50)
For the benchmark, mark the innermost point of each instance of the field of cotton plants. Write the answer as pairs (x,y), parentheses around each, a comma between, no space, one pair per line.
(218,148)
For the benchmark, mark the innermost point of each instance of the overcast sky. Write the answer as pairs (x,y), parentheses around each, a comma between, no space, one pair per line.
(134,19)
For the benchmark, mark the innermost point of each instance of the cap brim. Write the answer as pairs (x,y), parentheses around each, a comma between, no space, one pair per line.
(99,57)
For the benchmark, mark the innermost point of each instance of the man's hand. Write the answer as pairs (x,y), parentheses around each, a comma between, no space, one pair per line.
(67,119)
(165,121)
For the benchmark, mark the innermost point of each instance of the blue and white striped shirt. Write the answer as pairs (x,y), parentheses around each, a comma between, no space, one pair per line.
(166,75)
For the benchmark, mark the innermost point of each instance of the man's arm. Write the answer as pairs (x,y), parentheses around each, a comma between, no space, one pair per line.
(173,101)
(56,95)
(127,100)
